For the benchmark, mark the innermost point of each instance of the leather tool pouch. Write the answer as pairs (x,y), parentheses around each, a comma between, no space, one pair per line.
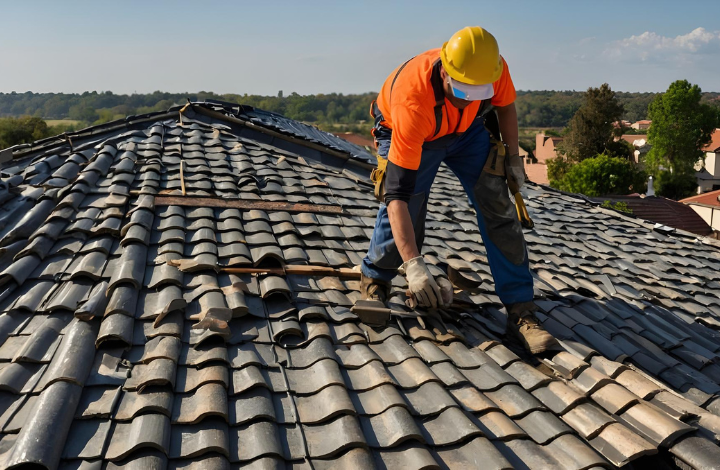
(495,163)
(378,178)
(499,213)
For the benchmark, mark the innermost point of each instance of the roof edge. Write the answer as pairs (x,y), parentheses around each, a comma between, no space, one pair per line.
(221,110)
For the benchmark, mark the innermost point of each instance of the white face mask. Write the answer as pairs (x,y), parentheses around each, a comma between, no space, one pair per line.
(467,92)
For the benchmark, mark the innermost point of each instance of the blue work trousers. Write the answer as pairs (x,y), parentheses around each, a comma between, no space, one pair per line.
(465,155)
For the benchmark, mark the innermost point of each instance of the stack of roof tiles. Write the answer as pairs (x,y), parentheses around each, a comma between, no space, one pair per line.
(123,346)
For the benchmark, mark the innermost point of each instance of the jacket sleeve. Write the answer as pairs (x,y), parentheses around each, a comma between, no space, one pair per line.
(504,88)
(399,183)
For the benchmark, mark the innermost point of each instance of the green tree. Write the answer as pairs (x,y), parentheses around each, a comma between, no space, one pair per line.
(83,113)
(600,176)
(681,126)
(675,185)
(22,130)
(557,168)
(590,131)
(618,206)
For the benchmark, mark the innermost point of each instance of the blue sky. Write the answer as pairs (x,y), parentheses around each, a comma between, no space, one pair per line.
(260,47)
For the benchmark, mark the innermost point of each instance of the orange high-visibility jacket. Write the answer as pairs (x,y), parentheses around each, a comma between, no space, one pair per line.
(409,109)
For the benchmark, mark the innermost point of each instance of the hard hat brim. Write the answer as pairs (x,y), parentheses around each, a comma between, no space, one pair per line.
(469,92)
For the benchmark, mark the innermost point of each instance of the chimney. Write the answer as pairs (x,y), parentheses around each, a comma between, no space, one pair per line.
(650,190)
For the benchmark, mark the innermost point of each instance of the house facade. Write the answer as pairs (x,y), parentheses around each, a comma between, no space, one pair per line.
(708,172)
(546,147)
(707,206)
(641,125)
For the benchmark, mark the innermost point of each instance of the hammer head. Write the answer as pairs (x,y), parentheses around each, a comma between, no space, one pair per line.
(372,312)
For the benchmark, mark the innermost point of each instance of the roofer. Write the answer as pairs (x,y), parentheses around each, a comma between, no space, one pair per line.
(434,108)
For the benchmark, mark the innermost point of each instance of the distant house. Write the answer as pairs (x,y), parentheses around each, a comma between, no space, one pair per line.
(546,147)
(356,139)
(537,173)
(635,140)
(621,124)
(664,212)
(708,174)
(641,125)
(707,206)
(639,142)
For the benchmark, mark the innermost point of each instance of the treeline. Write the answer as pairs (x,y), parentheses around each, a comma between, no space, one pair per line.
(535,108)
(96,108)
(26,129)
(555,108)
(591,160)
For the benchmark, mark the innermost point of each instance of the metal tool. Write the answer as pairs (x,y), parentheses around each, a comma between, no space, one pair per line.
(298,269)
(375,313)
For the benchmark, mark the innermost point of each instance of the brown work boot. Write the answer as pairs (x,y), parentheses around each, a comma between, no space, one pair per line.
(525,325)
(374,289)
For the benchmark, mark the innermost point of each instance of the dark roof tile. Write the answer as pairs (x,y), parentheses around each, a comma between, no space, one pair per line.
(98,402)
(658,427)
(86,439)
(250,441)
(620,445)
(524,453)
(543,426)
(208,400)
(145,431)
(588,420)
(52,415)
(558,396)
(74,356)
(325,405)
(497,426)
(390,428)
(614,398)
(189,378)
(367,377)
(697,452)
(193,440)
(152,399)
(410,455)
(334,437)
(429,399)
(472,451)
(449,427)
(514,401)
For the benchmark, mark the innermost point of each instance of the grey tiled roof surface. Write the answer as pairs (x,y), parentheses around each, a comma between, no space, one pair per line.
(112,357)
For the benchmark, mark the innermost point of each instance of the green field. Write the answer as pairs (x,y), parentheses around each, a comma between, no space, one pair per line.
(62,122)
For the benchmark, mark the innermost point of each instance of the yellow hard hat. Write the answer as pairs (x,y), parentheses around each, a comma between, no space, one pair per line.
(472,56)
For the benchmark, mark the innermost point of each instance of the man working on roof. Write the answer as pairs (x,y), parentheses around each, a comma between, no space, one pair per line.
(433,109)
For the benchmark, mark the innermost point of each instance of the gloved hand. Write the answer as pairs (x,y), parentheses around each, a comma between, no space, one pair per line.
(421,283)
(515,171)
(446,290)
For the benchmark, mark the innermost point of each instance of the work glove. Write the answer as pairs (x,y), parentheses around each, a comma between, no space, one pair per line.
(421,283)
(515,172)
(446,290)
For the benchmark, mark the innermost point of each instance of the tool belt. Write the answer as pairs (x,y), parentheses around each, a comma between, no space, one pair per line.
(495,163)
(378,178)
